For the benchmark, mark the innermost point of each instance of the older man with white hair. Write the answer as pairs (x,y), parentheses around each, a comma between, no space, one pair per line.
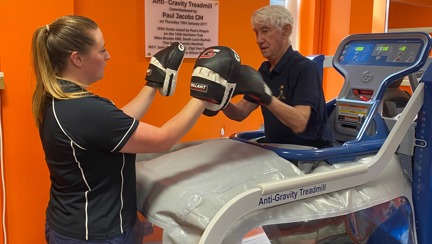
(297,111)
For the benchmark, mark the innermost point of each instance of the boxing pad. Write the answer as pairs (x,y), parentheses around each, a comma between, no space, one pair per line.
(251,83)
(163,68)
(214,76)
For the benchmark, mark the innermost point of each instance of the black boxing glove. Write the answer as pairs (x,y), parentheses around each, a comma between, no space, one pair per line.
(163,68)
(251,83)
(214,76)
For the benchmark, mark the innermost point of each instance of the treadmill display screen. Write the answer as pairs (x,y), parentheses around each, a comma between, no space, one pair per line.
(381,52)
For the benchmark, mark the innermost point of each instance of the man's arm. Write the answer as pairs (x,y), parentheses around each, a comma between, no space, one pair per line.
(306,94)
(240,110)
(296,117)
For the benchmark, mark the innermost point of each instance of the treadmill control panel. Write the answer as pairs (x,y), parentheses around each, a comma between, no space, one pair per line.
(370,63)
(381,52)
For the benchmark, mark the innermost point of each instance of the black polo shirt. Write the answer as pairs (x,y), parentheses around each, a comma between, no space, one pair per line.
(295,80)
(92,193)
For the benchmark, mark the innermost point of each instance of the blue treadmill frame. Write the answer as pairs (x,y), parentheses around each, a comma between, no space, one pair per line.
(364,144)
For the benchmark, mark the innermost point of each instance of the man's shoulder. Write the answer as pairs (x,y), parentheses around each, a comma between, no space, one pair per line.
(298,60)
(302,60)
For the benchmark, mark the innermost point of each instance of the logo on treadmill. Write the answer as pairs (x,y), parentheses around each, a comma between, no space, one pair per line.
(367,76)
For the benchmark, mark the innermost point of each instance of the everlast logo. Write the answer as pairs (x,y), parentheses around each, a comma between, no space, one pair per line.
(198,87)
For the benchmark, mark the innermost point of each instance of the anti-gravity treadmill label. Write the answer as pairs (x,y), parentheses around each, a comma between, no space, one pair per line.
(292,195)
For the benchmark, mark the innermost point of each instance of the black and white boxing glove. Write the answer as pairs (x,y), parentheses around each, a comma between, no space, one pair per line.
(251,83)
(214,76)
(163,68)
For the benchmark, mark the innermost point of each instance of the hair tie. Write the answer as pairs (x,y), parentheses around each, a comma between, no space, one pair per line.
(47,29)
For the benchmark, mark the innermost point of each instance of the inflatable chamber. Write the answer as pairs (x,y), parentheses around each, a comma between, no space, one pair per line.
(184,190)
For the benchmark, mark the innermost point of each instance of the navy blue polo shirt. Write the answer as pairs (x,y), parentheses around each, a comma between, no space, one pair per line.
(295,80)
(93,185)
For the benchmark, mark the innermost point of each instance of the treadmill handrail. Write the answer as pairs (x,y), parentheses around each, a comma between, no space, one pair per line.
(335,180)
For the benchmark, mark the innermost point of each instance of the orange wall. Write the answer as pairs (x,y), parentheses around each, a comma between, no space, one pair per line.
(27,179)
(403,15)
(311,26)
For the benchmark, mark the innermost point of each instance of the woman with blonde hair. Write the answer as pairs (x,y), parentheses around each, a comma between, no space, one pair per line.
(90,145)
